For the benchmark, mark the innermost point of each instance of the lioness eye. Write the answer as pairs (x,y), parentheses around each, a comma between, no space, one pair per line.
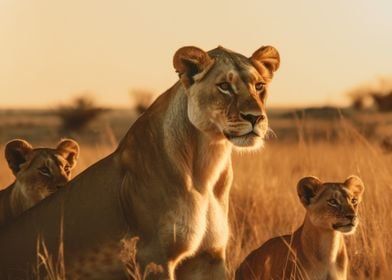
(354,201)
(259,87)
(44,171)
(224,87)
(332,202)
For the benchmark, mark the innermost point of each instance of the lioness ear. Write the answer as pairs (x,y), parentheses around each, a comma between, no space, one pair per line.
(355,184)
(307,188)
(16,152)
(69,149)
(266,60)
(189,61)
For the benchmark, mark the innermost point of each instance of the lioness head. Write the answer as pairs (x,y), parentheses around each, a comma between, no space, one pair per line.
(41,171)
(332,205)
(227,91)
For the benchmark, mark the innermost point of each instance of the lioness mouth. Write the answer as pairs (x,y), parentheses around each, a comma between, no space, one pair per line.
(249,134)
(337,226)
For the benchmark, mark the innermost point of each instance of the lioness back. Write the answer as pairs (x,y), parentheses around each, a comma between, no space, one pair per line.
(38,172)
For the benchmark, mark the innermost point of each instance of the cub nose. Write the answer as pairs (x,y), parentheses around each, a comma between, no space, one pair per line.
(253,119)
(351,217)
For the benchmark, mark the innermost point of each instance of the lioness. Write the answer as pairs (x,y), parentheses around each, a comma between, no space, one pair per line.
(38,173)
(315,251)
(168,182)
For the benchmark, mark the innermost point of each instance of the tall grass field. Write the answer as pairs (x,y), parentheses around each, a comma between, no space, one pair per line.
(264,201)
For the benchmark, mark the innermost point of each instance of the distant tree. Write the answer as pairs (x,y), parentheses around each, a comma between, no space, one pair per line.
(378,96)
(383,101)
(386,144)
(79,113)
(141,99)
(358,102)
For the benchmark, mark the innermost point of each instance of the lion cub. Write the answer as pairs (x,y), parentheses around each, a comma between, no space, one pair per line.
(316,250)
(39,172)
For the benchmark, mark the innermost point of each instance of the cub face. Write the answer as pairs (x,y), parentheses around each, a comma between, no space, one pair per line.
(227,92)
(41,171)
(332,206)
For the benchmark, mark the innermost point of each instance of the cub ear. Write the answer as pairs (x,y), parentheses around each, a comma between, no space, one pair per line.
(69,149)
(355,184)
(16,152)
(189,61)
(307,188)
(266,60)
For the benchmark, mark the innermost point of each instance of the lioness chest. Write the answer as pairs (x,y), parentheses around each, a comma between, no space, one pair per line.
(315,270)
(328,273)
(197,223)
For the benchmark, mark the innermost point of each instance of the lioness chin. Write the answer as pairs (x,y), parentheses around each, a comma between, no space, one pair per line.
(315,251)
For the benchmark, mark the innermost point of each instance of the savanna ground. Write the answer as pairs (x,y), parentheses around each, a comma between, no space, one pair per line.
(329,144)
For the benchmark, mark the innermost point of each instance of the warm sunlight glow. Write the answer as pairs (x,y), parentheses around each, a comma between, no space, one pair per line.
(53,50)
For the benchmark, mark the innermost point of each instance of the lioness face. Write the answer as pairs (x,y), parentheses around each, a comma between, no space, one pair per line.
(226,97)
(332,206)
(41,171)
(44,171)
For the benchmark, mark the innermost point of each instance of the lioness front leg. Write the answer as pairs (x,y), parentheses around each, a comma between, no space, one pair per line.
(162,273)
(202,266)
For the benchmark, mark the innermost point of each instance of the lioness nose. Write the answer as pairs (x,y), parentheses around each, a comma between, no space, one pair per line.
(253,119)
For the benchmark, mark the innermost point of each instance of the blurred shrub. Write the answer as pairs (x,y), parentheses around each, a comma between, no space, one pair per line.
(378,96)
(360,102)
(79,113)
(386,144)
(383,101)
(141,99)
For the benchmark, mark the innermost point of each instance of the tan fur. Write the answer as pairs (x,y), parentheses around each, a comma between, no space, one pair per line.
(169,180)
(38,173)
(315,251)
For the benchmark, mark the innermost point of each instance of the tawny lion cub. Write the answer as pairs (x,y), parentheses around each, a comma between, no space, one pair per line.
(316,250)
(39,172)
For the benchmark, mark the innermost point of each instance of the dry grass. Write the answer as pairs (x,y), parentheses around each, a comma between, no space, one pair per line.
(264,201)
(132,268)
(52,266)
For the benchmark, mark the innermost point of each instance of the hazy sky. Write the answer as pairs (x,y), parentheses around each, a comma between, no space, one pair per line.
(52,50)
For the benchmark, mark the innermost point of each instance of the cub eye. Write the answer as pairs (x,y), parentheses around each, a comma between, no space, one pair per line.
(67,169)
(224,87)
(333,202)
(354,201)
(259,86)
(44,171)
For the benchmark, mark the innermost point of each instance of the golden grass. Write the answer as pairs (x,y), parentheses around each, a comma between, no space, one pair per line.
(264,202)
(52,266)
(132,267)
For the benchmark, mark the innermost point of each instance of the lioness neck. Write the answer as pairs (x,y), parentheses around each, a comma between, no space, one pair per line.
(324,248)
(196,157)
(19,200)
(5,205)
(12,202)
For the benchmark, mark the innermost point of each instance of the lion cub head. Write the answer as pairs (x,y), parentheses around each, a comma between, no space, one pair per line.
(332,205)
(41,171)
(227,92)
